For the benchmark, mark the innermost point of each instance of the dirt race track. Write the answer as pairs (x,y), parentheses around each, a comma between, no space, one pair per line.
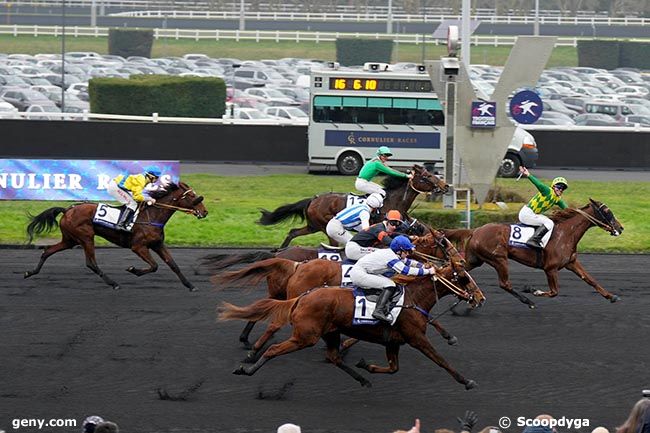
(72,347)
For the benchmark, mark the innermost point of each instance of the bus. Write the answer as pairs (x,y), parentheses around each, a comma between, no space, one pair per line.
(353,112)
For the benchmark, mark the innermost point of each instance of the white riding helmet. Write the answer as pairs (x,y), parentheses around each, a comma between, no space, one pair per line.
(375,200)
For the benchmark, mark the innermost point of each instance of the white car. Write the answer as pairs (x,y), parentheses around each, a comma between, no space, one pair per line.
(77,88)
(7,111)
(293,114)
(32,109)
(267,94)
(250,114)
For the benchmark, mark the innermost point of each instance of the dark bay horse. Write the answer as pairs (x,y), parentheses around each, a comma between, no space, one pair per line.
(327,313)
(318,210)
(287,279)
(489,244)
(77,228)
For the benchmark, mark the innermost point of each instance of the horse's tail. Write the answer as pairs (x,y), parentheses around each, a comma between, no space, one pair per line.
(293,210)
(276,311)
(216,262)
(44,222)
(254,273)
(458,237)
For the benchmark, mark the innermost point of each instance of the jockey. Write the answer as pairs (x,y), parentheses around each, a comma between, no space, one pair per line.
(546,198)
(368,240)
(372,168)
(130,190)
(355,217)
(367,272)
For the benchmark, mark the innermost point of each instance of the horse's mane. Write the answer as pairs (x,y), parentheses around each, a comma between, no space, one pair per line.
(392,182)
(162,192)
(564,214)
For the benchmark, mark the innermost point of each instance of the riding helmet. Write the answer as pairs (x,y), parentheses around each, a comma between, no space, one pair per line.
(560,181)
(375,200)
(384,150)
(153,170)
(401,243)
(393,215)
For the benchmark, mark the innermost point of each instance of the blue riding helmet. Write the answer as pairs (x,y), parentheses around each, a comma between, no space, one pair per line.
(401,243)
(153,170)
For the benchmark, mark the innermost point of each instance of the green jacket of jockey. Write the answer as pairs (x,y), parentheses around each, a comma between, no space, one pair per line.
(546,196)
(374,167)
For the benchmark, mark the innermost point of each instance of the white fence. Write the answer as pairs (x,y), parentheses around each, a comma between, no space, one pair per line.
(257,35)
(382,17)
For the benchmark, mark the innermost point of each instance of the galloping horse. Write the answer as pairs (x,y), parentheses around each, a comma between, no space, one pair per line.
(489,244)
(77,228)
(327,313)
(287,279)
(318,210)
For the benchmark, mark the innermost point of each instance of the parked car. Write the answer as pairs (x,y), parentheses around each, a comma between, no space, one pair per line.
(294,114)
(640,119)
(39,108)
(7,111)
(522,150)
(23,98)
(595,119)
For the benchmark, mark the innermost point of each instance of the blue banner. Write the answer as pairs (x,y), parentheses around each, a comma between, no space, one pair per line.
(418,140)
(78,180)
(526,107)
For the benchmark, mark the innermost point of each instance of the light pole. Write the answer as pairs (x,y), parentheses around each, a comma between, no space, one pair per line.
(242,22)
(63,55)
(389,18)
(536,25)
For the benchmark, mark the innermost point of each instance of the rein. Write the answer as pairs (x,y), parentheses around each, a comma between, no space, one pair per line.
(595,221)
(169,206)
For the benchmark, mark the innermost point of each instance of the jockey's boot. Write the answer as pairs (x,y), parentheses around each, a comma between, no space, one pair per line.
(381,310)
(125,219)
(536,240)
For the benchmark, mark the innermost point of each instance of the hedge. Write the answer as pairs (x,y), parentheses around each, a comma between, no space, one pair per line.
(169,96)
(355,51)
(452,218)
(598,53)
(634,55)
(130,42)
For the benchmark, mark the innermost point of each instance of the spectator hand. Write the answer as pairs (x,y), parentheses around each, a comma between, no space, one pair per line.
(416,427)
(468,421)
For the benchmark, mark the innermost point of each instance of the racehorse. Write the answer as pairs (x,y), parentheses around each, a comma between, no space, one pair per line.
(489,244)
(77,228)
(287,279)
(318,210)
(327,313)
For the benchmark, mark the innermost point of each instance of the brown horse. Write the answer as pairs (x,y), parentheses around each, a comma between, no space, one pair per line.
(287,279)
(77,228)
(327,313)
(318,210)
(489,244)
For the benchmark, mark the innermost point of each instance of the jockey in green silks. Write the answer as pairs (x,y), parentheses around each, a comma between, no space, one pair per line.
(374,167)
(546,198)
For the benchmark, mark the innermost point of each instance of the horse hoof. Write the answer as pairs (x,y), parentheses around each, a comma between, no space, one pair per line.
(614,298)
(239,370)
(27,274)
(532,306)
(366,383)
(247,344)
(452,341)
(131,269)
(251,357)
(193,289)
(116,287)
(362,363)
(470,384)
(538,293)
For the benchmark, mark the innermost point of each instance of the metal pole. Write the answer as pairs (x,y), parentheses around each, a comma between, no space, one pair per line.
(93,13)
(389,18)
(465,34)
(63,55)
(242,22)
(536,25)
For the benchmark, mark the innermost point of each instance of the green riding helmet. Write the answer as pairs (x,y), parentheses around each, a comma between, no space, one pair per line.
(560,181)
(385,151)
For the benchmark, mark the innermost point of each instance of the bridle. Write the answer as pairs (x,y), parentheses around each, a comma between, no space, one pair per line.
(436,188)
(186,210)
(599,222)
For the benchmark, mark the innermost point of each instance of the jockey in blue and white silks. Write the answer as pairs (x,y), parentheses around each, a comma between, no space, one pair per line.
(367,272)
(355,218)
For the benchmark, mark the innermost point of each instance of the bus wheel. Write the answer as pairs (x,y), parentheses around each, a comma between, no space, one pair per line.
(349,163)
(509,165)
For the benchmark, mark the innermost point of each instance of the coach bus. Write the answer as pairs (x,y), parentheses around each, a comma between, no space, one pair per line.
(353,112)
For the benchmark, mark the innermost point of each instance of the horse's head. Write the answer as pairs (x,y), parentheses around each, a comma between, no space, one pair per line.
(183,198)
(413,227)
(423,181)
(605,218)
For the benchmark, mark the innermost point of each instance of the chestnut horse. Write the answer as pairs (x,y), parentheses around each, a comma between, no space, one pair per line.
(77,228)
(327,313)
(287,279)
(318,210)
(489,244)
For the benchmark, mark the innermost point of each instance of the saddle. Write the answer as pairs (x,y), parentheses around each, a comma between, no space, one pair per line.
(365,301)
(108,215)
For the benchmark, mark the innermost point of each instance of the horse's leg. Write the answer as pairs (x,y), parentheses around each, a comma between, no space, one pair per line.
(451,340)
(91,262)
(333,340)
(349,342)
(164,254)
(271,329)
(65,244)
(551,278)
(501,266)
(392,355)
(143,252)
(296,342)
(243,337)
(418,340)
(294,233)
(577,268)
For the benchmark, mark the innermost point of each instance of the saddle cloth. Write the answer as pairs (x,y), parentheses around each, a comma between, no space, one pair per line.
(108,216)
(519,234)
(365,301)
(354,199)
(333,254)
